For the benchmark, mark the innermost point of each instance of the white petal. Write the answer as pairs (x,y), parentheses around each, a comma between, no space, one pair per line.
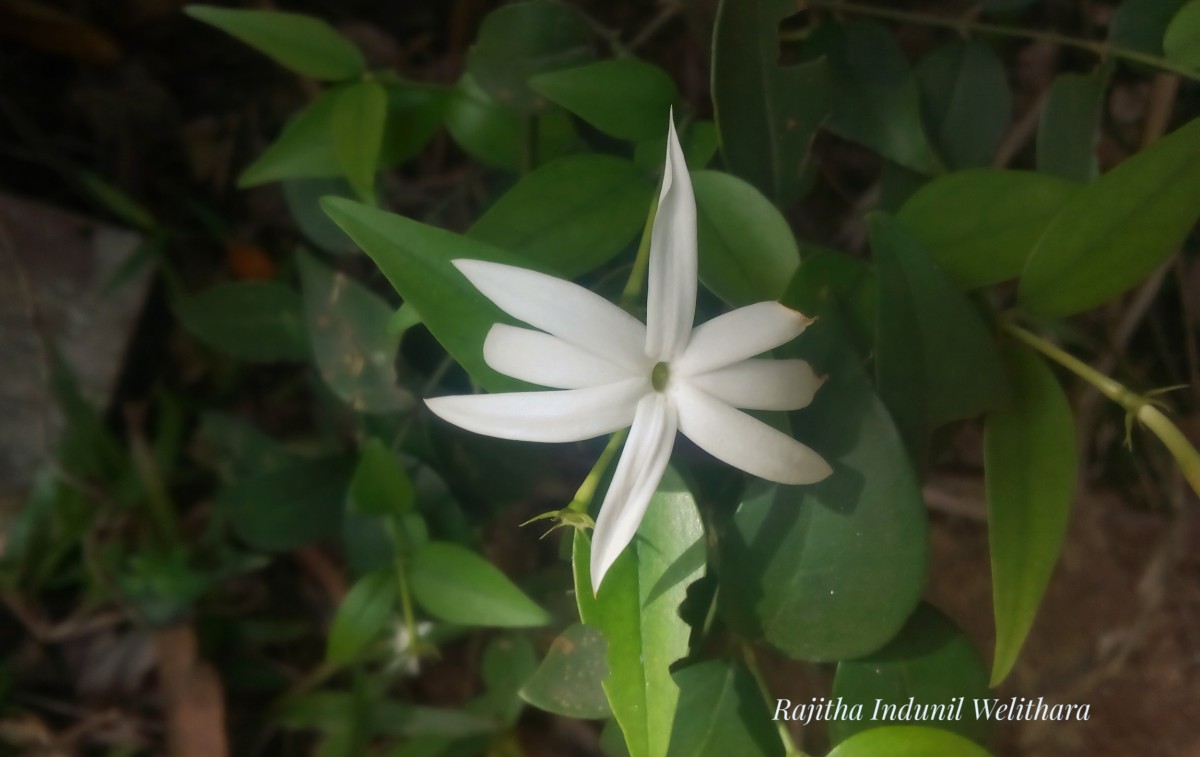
(637,476)
(543,359)
(566,310)
(671,301)
(569,415)
(757,384)
(747,443)
(739,334)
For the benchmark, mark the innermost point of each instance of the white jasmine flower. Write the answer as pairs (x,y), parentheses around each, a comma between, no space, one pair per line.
(659,378)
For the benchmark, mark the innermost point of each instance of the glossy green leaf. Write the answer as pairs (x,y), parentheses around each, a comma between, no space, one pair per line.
(698,140)
(1117,230)
(519,41)
(1067,130)
(831,570)
(568,682)
(829,276)
(746,248)
(303,150)
(362,617)
(721,713)
(876,101)
(380,486)
(967,102)
(930,662)
(980,225)
(571,214)
(359,117)
(416,259)
(498,135)
(1030,469)
(303,198)
(935,359)
(347,327)
(302,43)
(908,741)
(1181,44)
(414,114)
(456,585)
(624,98)
(259,321)
(1142,24)
(637,610)
(766,114)
(290,506)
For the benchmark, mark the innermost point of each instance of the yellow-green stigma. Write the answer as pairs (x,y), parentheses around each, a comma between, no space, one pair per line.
(660,376)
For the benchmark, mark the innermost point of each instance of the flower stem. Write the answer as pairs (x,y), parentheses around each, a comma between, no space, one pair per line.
(966,25)
(641,264)
(587,490)
(1135,404)
(789,745)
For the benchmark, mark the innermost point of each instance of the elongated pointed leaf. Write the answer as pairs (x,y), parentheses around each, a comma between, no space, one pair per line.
(571,214)
(454,584)
(303,150)
(1030,465)
(362,617)
(832,570)
(302,43)
(908,741)
(766,114)
(637,610)
(746,248)
(967,102)
(981,225)
(932,660)
(625,98)
(1117,230)
(359,117)
(1067,131)
(722,712)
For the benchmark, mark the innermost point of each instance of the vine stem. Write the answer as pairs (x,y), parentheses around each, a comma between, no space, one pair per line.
(587,490)
(1135,404)
(966,25)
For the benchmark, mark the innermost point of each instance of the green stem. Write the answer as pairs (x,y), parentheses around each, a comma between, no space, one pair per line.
(406,603)
(1137,405)
(641,264)
(965,25)
(587,490)
(789,746)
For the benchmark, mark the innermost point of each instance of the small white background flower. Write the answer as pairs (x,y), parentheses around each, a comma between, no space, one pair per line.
(657,378)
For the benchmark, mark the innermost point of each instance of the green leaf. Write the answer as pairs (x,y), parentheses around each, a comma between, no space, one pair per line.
(359,117)
(290,506)
(1142,24)
(827,275)
(766,114)
(454,584)
(259,321)
(1181,44)
(414,113)
(303,198)
(568,682)
(508,662)
(500,135)
(876,101)
(908,741)
(380,486)
(831,570)
(362,617)
(930,661)
(571,214)
(1117,230)
(980,225)
(637,610)
(302,43)
(721,713)
(416,259)
(935,360)
(964,88)
(625,98)
(1030,469)
(237,448)
(521,40)
(698,140)
(746,248)
(1066,138)
(303,150)
(347,327)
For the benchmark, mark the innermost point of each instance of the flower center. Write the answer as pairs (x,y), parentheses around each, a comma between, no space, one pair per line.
(660,377)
